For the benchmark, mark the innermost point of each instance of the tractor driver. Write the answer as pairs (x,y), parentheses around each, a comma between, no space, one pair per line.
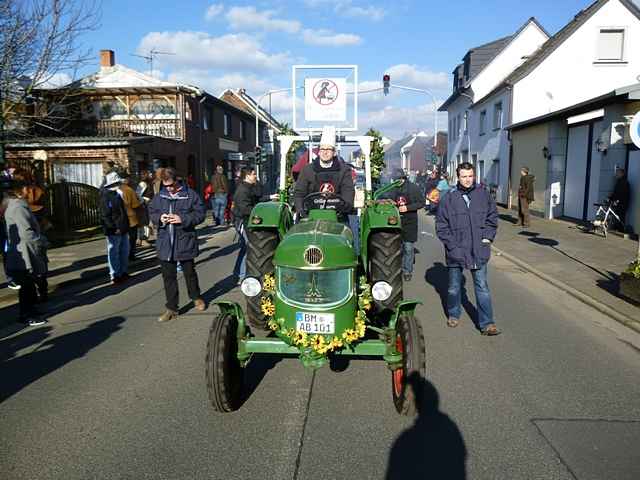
(326,174)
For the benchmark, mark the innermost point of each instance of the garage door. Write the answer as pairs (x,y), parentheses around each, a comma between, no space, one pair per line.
(576,173)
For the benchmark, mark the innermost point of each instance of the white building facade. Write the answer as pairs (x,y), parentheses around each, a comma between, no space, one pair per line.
(476,130)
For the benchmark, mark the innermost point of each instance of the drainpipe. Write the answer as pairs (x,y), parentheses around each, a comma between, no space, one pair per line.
(200,182)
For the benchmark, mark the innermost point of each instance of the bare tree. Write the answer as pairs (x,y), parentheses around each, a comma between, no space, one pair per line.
(39,43)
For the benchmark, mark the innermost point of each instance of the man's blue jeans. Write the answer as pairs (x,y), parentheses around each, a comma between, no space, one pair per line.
(118,254)
(483,295)
(408,257)
(241,262)
(219,205)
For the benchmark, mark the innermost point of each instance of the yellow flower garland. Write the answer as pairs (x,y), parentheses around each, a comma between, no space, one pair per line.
(320,344)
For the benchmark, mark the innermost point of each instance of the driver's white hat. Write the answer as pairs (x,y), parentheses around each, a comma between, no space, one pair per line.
(328,138)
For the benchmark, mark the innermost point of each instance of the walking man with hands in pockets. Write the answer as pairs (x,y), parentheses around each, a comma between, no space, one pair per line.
(467,223)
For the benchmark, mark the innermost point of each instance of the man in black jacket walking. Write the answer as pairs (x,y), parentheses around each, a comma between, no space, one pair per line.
(247,194)
(409,200)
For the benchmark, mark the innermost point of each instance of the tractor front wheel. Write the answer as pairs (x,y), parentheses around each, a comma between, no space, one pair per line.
(410,343)
(385,252)
(261,248)
(225,375)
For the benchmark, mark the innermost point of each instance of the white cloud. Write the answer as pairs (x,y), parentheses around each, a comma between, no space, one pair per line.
(327,38)
(372,13)
(248,18)
(395,122)
(348,9)
(418,77)
(213,11)
(199,50)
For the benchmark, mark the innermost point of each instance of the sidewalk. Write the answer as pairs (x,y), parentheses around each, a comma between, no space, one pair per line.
(585,265)
(81,267)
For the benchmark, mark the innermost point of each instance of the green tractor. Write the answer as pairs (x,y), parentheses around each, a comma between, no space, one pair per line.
(308,293)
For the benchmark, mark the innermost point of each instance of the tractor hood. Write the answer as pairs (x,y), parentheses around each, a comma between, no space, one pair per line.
(317,244)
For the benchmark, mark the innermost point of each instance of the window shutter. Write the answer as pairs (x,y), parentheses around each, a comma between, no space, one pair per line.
(610,44)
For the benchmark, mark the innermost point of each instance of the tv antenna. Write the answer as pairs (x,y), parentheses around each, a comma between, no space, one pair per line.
(150,56)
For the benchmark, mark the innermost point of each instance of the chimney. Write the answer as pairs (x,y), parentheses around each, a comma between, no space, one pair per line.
(107,58)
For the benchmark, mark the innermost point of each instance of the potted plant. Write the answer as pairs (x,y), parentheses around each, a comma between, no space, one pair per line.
(630,281)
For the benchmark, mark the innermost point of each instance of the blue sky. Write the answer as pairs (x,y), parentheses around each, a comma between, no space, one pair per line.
(253,44)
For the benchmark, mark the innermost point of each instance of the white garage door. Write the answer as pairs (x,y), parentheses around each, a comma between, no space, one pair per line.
(576,174)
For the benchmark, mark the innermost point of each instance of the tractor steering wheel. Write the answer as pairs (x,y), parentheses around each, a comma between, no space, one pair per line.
(323,201)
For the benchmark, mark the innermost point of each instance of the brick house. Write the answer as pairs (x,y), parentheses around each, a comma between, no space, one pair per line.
(140,122)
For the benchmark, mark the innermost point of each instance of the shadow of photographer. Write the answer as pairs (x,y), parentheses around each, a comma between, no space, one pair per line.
(433,447)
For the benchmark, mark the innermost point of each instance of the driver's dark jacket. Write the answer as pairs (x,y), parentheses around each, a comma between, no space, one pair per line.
(313,176)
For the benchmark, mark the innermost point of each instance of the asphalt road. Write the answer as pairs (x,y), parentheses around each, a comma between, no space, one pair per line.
(105,392)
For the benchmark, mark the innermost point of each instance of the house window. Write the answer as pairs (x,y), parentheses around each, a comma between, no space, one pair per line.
(483,122)
(243,130)
(466,122)
(205,120)
(227,125)
(497,116)
(459,126)
(611,45)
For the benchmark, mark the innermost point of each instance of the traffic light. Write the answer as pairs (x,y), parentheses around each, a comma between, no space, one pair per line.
(260,156)
(386,83)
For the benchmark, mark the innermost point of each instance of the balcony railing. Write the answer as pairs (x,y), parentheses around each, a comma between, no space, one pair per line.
(118,128)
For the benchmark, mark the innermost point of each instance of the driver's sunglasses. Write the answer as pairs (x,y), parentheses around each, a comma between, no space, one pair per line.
(326,149)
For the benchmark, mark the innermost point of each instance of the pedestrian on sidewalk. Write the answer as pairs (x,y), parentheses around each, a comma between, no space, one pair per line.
(176,211)
(115,223)
(525,196)
(408,198)
(144,191)
(466,224)
(620,197)
(133,206)
(220,187)
(26,251)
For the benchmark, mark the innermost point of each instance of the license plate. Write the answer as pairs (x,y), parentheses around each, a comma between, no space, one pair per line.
(310,322)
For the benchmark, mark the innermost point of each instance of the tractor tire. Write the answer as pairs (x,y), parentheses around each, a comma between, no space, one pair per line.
(385,253)
(225,375)
(412,374)
(261,248)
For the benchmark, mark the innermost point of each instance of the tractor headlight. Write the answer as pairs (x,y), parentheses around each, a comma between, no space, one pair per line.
(251,286)
(381,291)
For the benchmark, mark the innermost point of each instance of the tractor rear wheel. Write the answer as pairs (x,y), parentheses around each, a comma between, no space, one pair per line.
(261,248)
(225,375)
(385,253)
(409,342)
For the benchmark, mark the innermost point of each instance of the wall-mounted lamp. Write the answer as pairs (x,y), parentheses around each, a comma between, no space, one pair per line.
(601,146)
(545,152)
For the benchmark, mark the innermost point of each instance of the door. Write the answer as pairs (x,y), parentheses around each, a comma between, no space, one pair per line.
(594,173)
(576,171)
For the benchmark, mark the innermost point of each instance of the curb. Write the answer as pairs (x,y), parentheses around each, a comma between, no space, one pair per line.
(622,318)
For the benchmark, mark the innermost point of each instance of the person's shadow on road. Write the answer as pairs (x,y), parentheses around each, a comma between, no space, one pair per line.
(20,371)
(438,277)
(433,447)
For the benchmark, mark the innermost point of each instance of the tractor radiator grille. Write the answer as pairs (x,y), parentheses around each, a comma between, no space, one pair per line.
(313,256)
